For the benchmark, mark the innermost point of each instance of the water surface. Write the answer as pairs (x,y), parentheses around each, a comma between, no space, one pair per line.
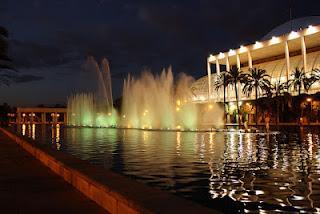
(228,171)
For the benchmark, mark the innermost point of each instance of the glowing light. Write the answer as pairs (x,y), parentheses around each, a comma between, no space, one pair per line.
(178,102)
(202,98)
(274,40)
(311,30)
(109,114)
(23,129)
(257,45)
(178,127)
(309,99)
(232,107)
(177,109)
(259,192)
(124,116)
(232,52)
(221,55)
(210,106)
(58,133)
(211,58)
(293,35)
(242,49)
(23,115)
(33,136)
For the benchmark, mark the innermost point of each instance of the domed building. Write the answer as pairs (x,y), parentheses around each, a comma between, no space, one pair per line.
(295,44)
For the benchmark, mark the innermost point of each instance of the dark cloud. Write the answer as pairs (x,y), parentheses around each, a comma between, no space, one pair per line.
(32,54)
(9,77)
(26,78)
(51,39)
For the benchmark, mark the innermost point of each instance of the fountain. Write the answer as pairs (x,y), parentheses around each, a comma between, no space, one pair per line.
(152,102)
(94,108)
(155,102)
(149,102)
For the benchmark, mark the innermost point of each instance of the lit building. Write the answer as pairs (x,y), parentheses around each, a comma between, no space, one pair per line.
(295,44)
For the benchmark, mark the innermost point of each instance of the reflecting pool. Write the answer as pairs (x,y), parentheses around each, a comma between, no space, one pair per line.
(228,171)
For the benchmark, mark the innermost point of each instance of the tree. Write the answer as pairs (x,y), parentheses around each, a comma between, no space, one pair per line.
(5,61)
(277,89)
(315,76)
(299,80)
(221,83)
(256,80)
(234,77)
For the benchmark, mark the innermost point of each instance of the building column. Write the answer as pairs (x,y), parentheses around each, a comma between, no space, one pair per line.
(249,60)
(209,79)
(227,69)
(287,53)
(217,67)
(65,118)
(227,64)
(304,53)
(217,70)
(238,61)
(55,118)
(239,67)
(43,118)
(18,121)
(32,117)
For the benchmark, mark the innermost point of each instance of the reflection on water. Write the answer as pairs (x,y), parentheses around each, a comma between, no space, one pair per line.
(224,170)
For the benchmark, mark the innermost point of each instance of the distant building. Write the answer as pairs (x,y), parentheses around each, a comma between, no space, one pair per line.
(41,115)
(295,44)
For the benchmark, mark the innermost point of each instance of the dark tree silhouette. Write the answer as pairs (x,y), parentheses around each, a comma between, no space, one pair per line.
(299,80)
(234,77)
(277,89)
(221,83)
(256,80)
(5,62)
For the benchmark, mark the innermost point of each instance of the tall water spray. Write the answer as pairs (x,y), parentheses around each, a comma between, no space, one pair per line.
(155,102)
(148,102)
(95,107)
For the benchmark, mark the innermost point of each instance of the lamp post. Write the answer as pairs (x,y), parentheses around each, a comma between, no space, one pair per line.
(309,100)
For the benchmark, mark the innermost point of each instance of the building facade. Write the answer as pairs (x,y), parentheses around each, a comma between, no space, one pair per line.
(279,53)
(41,115)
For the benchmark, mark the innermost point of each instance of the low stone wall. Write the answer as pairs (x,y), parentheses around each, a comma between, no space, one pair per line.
(113,192)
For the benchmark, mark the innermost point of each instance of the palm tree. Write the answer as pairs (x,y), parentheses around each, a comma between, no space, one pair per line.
(234,77)
(256,80)
(219,83)
(299,80)
(278,90)
(316,73)
(315,76)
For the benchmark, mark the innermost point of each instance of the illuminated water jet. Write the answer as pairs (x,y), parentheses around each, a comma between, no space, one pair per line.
(94,108)
(148,102)
(155,102)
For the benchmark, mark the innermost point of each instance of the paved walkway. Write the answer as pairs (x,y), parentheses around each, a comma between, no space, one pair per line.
(26,186)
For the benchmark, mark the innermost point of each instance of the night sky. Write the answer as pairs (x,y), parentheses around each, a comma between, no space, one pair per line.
(50,39)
